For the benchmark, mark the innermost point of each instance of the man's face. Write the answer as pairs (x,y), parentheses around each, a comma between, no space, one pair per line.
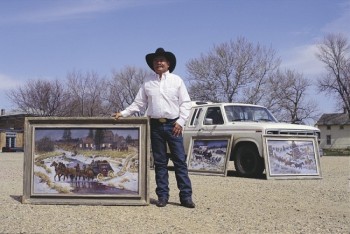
(160,64)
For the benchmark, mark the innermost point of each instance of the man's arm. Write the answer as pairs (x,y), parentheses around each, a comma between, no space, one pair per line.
(139,104)
(185,105)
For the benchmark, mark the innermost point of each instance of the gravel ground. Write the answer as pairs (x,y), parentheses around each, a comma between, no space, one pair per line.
(224,205)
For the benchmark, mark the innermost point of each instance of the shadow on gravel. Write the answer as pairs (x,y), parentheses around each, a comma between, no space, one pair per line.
(232,173)
(16,198)
(154,202)
(235,174)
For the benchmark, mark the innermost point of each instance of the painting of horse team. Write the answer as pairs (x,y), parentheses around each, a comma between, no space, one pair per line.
(86,161)
(209,155)
(292,157)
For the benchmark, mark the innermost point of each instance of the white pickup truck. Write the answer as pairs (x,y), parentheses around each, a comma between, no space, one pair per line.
(247,124)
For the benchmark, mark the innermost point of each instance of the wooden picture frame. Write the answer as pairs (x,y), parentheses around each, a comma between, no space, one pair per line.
(209,155)
(90,161)
(292,157)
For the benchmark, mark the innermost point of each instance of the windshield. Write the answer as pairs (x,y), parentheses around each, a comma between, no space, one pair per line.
(248,113)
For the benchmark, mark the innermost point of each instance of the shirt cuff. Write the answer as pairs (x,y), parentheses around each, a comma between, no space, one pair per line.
(125,113)
(181,122)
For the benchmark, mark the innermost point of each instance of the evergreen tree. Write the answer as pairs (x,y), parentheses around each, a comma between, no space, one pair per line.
(67,135)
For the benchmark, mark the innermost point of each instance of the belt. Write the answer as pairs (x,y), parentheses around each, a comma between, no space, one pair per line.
(163,120)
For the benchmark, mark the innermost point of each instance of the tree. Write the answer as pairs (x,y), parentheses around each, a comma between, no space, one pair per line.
(123,87)
(67,135)
(234,71)
(91,134)
(45,145)
(99,138)
(333,51)
(128,139)
(86,94)
(39,97)
(287,97)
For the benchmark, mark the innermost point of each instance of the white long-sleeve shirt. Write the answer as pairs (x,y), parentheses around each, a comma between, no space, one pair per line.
(164,98)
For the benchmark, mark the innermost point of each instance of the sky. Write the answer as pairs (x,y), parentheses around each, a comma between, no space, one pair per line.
(46,39)
(57,134)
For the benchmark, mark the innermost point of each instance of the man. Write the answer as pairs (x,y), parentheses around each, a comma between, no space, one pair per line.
(168,104)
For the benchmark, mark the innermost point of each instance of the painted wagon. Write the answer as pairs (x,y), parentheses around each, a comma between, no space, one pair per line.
(102,169)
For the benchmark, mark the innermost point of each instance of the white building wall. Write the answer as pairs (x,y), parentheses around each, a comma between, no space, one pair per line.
(340,138)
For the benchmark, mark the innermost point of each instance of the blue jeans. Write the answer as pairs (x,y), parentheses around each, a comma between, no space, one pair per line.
(161,135)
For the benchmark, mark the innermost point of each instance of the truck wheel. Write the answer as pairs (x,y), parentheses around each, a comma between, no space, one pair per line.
(248,163)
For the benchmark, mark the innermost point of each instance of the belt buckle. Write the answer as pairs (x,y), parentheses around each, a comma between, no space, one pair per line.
(162,120)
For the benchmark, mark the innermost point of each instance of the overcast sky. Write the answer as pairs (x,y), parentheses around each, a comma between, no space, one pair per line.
(47,39)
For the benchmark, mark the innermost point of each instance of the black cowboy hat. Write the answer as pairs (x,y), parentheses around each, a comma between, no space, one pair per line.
(161,52)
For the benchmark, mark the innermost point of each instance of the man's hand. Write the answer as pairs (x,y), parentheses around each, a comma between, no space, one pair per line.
(177,130)
(117,115)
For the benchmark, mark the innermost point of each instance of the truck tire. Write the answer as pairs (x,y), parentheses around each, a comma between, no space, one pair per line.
(248,163)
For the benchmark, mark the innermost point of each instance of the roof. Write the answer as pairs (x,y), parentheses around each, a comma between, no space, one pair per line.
(197,103)
(14,116)
(334,119)
(10,130)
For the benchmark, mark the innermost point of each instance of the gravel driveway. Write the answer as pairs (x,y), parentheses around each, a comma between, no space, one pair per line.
(224,205)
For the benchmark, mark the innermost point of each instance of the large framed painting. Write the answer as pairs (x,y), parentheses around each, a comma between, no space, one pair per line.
(291,157)
(209,155)
(94,161)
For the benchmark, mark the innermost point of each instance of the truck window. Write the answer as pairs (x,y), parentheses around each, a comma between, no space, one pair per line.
(195,117)
(248,113)
(213,116)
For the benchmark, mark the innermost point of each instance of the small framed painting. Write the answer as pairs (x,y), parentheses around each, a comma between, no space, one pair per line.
(94,161)
(209,155)
(291,157)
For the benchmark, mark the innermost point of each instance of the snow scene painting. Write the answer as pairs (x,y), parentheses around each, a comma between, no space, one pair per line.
(86,161)
(209,155)
(292,157)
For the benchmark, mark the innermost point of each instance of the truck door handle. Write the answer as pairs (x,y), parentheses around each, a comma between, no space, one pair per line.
(201,131)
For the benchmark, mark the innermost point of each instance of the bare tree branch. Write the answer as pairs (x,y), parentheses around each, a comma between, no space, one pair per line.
(123,87)
(39,97)
(234,71)
(85,94)
(334,53)
(288,91)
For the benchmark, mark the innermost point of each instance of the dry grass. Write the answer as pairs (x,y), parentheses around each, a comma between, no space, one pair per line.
(46,179)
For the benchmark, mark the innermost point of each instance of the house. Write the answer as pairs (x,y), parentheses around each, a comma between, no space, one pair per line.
(335,131)
(11,131)
(87,143)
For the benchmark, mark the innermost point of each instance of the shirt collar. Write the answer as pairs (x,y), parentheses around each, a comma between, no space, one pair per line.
(164,75)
